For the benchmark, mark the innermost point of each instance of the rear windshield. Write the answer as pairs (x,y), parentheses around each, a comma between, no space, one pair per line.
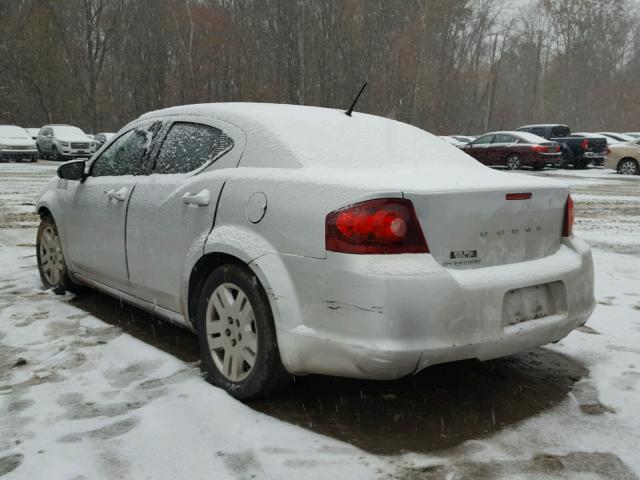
(11,131)
(560,131)
(531,138)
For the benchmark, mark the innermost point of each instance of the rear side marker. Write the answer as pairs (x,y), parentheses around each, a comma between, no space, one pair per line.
(518,196)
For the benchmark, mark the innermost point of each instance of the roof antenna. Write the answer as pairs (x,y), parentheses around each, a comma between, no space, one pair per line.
(350,111)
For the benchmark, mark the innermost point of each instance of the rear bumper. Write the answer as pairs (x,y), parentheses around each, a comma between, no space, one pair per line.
(384,318)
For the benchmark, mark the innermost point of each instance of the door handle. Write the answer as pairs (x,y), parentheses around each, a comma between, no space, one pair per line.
(200,198)
(119,195)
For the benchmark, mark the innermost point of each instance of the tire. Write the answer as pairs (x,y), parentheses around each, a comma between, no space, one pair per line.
(628,166)
(55,154)
(230,294)
(51,263)
(513,162)
(580,164)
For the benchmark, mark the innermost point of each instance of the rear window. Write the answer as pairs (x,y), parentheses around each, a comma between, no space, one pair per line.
(560,131)
(189,146)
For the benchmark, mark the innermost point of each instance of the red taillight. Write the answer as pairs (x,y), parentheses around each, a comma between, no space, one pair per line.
(584,145)
(383,225)
(569,218)
(608,151)
(540,148)
(545,148)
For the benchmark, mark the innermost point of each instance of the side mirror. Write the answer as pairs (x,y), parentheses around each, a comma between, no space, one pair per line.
(72,170)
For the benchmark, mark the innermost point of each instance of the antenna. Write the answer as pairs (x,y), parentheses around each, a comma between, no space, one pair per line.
(350,111)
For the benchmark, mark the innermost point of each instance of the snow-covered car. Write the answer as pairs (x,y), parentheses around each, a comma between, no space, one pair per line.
(452,141)
(33,132)
(16,144)
(464,138)
(624,157)
(64,142)
(298,240)
(632,134)
(618,137)
(102,138)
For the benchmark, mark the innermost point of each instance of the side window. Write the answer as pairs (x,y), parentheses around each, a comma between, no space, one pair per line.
(504,138)
(483,140)
(558,132)
(540,131)
(122,157)
(188,146)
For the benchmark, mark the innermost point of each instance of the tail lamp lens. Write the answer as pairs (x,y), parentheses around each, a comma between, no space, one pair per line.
(585,144)
(380,226)
(569,218)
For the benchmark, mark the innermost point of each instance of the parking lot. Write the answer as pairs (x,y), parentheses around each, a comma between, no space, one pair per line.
(111,372)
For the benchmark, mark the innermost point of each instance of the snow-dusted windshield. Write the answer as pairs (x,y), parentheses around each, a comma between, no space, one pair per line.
(11,131)
(67,131)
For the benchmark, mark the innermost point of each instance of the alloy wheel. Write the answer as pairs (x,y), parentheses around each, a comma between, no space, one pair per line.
(231,332)
(51,258)
(513,162)
(629,167)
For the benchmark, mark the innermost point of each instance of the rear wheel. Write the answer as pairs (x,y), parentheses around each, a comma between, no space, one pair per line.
(237,335)
(628,166)
(51,264)
(513,162)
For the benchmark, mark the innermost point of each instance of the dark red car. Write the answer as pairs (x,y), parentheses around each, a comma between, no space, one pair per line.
(514,150)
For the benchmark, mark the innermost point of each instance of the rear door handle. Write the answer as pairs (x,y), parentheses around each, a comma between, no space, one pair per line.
(119,195)
(200,198)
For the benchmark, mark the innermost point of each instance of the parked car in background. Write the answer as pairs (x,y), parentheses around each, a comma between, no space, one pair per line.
(33,132)
(63,142)
(316,256)
(620,137)
(596,161)
(16,144)
(624,157)
(578,151)
(452,141)
(514,150)
(102,138)
(463,138)
(633,134)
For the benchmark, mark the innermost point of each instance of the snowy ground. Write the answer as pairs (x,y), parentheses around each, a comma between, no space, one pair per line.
(82,398)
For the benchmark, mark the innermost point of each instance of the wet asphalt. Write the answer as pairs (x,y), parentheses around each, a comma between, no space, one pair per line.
(437,409)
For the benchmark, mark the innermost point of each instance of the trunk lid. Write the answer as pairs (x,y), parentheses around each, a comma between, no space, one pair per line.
(482,228)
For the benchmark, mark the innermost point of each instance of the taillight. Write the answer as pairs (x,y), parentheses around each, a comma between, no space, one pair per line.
(540,148)
(569,218)
(608,151)
(380,226)
(584,145)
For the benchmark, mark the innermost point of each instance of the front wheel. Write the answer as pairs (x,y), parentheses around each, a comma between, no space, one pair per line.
(628,167)
(55,154)
(51,264)
(237,334)
(513,162)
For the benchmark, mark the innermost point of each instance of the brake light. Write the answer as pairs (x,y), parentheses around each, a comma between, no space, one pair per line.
(584,145)
(518,196)
(608,151)
(545,148)
(380,226)
(569,218)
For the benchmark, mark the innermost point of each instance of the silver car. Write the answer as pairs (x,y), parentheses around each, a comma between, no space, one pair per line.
(298,240)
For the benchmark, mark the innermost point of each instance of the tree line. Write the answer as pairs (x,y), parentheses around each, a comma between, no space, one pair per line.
(448,66)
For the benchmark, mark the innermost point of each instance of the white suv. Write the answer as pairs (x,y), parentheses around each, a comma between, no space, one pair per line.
(62,142)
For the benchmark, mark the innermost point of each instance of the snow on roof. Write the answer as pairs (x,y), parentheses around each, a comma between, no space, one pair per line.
(365,149)
(544,125)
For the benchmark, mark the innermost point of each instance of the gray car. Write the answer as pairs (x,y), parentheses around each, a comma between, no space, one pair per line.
(64,142)
(298,240)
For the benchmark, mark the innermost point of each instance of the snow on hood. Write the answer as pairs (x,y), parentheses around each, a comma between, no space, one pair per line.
(362,149)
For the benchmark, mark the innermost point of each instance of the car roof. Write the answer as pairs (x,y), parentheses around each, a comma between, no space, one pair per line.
(293,136)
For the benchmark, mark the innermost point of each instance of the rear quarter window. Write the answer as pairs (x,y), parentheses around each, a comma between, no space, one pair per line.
(189,146)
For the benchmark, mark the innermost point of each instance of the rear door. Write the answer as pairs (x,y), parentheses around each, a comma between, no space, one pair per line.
(173,209)
(501,146)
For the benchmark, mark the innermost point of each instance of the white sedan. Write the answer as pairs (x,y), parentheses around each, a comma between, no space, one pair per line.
(299,240)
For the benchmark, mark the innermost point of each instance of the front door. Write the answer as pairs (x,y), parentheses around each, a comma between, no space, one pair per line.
(172,210)
(95,211)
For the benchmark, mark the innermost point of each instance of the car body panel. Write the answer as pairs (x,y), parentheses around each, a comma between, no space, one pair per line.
(621,151)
